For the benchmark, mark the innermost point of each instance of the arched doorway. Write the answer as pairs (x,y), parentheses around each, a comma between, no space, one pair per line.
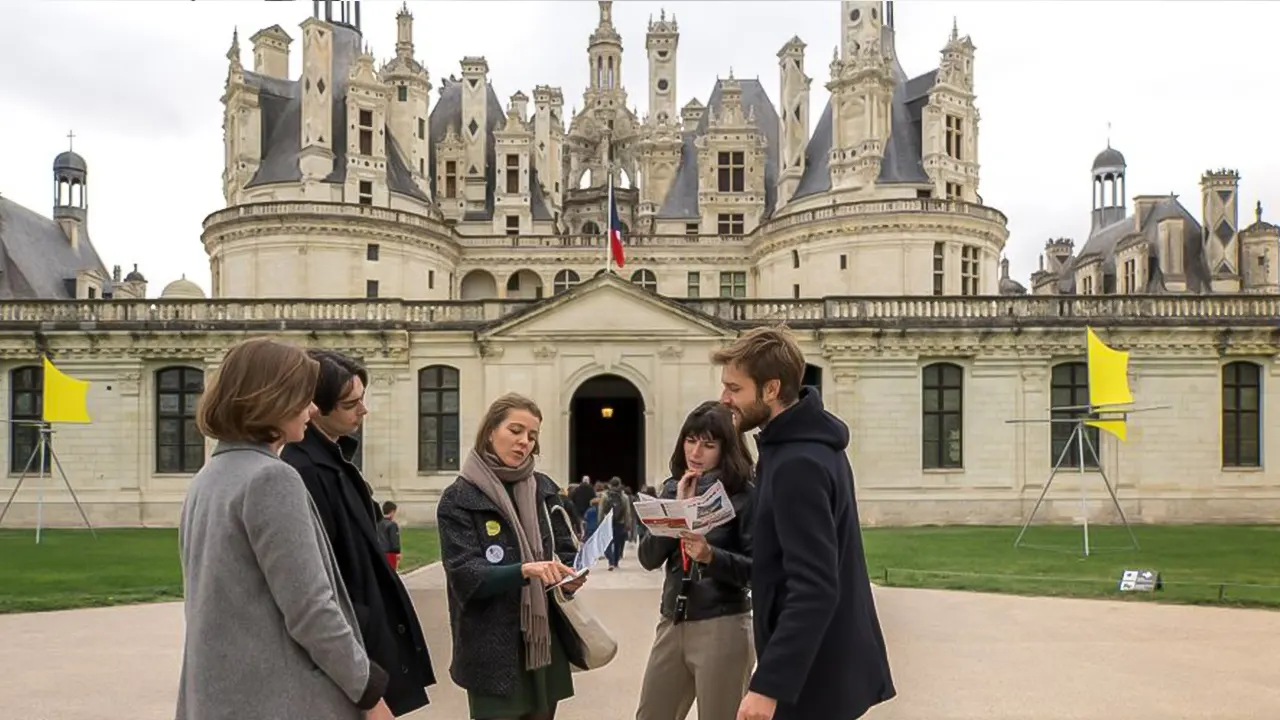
(606,431)
(812,377)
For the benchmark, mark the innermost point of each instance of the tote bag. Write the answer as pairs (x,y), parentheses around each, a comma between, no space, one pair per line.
(596,646)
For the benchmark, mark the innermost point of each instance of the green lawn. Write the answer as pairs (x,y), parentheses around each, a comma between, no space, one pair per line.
(70,569)
(1233,565)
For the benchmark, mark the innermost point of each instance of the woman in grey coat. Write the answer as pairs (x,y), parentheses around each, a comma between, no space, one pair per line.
(270,631)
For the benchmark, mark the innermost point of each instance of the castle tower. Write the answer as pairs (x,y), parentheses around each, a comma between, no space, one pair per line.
(661,42)
(604,53)
(316,157)
(475,118)
(242,114)
(1108,188)
(793,130)
(862,89)
(1260,256)
(1220,215)
(512,145)
(271,52)
(951,124)
(548,144)
(71,192)
(410,103)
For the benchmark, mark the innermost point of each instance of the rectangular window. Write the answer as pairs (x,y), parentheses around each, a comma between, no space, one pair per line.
(431,279)
(366,192)
(1069,390)
(513,224)
(939,268)
(402,93)
(733,284)
(513,174)
(844,262)
(943,418)
(1241,415)
(371,252)
(366,132)
(422,128)
(691,229)
(695,285)
(969,277)
(955,137)
(955,191)
(1086,286)
(730,224)
(451,179)
(1130,276)
(795,291)
(371,288)
(732,175)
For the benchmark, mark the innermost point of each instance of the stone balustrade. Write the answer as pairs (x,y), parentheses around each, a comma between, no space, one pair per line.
(873,312)
(881,207)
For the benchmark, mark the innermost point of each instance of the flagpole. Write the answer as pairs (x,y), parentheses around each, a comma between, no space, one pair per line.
(608,228)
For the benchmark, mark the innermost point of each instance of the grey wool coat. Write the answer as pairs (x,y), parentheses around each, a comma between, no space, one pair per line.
(270,631)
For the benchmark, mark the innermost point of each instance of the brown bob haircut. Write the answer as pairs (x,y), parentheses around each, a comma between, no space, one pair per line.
(764,354)
(261,384)
(497,414)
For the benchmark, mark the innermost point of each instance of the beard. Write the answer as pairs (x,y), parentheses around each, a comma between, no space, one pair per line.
(752,416)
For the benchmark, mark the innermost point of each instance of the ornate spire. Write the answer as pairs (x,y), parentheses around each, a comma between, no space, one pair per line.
(233,52)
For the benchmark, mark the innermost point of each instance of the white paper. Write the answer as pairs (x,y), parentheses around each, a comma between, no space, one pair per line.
(593,549)
(701,514)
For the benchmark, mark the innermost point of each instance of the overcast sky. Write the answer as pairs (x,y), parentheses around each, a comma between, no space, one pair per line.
(1186,86)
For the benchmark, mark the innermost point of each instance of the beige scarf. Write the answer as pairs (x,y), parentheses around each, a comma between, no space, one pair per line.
(490,476)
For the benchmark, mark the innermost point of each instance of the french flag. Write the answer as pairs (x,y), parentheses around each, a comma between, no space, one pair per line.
(615,228)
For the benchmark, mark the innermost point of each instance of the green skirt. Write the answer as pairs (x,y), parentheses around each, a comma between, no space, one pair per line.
(537,691)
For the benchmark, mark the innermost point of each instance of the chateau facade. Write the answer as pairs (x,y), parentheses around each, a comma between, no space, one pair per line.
(454,244)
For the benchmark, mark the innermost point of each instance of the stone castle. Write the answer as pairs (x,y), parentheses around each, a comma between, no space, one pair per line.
(454,244)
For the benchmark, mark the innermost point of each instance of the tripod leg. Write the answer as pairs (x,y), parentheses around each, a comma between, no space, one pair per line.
(1111,491)
(1045,491)
(58,464)
(18,486)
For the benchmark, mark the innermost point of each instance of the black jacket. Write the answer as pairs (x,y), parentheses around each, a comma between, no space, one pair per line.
(720,587)
(818,641)
(486,631)
(392,634)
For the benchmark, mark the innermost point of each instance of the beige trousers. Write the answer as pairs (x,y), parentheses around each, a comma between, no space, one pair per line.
(710,660)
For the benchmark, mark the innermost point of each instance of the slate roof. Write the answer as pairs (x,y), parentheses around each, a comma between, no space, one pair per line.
(682,200)
(903,155)
(281,108)
(37,260)
(1104,241)
(448,112)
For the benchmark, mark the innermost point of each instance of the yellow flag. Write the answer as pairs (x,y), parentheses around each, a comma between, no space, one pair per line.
(65,398)
(1108,374)
(1115,427)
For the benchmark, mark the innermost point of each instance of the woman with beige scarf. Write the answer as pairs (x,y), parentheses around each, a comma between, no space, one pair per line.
(501,547)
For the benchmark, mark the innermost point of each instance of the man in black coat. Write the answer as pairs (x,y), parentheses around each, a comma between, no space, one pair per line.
(392,634)
(820,652)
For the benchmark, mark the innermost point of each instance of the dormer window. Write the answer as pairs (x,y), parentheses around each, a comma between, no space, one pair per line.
(366,132)
(955,137)
(732,176)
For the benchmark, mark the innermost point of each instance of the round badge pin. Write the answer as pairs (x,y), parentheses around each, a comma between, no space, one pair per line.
(494,554)
(492,528)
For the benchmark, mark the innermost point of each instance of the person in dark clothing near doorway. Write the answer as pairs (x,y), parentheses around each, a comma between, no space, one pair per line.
(615,501)
(820,650)
(392,634)
(389,534)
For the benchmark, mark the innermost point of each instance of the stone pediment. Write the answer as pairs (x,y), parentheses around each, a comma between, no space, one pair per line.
(607,307)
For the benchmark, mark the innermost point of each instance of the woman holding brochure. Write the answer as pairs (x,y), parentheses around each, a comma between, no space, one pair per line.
(703,648)
(502,547)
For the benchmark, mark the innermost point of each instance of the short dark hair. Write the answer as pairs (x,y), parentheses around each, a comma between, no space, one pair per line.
(389,507)
(764,354)
(715,421)
(336,371)
(261,384)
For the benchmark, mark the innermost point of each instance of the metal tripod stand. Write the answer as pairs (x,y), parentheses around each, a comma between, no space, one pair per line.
(44,449)
(1081,439)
